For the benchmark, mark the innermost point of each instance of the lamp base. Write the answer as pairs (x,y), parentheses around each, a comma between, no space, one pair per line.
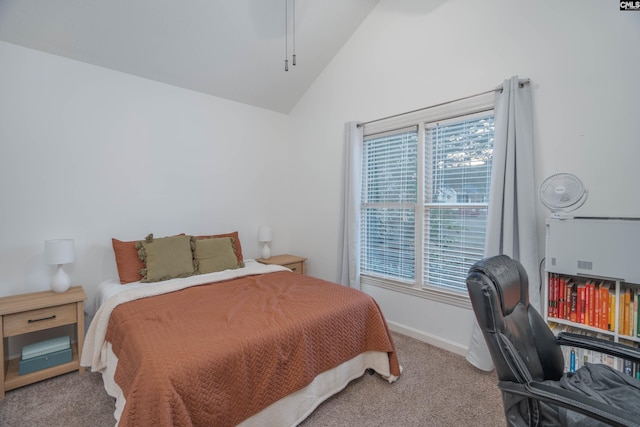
(60,281)
(266,251)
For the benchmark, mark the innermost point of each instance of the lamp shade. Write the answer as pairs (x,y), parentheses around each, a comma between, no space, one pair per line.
(59,251)
(265,234)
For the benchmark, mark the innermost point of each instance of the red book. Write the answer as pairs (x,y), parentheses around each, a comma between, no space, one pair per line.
(591,303)
(582,301)
(562,292)
(604,306)
(567,300)
(596,319)
(552,295)
(556,291)
(573,313)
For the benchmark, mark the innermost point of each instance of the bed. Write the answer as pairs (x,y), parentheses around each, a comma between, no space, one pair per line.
(254,345)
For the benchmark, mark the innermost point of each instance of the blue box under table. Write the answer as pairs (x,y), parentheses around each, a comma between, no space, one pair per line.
(45,354)
(44,361)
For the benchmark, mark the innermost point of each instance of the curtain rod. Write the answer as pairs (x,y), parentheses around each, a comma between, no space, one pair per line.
(521,83)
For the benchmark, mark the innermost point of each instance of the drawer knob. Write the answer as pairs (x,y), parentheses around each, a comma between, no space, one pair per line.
(41,319)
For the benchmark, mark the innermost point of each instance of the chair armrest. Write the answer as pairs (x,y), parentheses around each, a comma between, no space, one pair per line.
(570,400)
(600,345)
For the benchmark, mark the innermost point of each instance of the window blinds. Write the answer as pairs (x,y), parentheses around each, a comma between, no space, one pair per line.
(458,156)
(389,200)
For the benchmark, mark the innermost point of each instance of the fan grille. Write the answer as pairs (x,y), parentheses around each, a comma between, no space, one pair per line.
(562,191)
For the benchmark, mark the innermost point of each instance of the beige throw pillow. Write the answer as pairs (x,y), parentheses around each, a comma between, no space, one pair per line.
(166,257)
(215,254)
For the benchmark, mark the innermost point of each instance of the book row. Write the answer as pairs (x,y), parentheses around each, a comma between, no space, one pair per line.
(594,303)
(575,358)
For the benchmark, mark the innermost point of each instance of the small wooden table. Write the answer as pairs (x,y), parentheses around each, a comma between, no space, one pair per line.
(297,264)
(27,313)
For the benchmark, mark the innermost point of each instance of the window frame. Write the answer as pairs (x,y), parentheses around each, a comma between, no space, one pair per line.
(374,204)
(482,103)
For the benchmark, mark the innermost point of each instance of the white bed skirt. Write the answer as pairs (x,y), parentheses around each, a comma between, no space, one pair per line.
(291,409)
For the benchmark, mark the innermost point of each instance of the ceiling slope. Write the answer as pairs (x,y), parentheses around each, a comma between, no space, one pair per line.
(234,49)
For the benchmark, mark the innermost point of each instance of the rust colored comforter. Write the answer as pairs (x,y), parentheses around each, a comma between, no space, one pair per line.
(215,354)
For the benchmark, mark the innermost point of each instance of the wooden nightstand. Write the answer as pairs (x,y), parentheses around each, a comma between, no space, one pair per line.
(26,313)
(297,264)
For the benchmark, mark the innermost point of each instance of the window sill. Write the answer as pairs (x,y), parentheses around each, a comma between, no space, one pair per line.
(446,297)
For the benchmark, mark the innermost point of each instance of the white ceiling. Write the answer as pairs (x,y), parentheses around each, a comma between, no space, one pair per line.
(233,49)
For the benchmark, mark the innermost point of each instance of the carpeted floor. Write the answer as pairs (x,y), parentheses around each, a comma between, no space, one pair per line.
(437,388)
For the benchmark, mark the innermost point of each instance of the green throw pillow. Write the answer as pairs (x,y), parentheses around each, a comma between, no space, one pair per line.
(166,257)
(215,254)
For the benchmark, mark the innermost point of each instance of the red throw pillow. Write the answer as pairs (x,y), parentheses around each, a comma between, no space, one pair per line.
(127,261)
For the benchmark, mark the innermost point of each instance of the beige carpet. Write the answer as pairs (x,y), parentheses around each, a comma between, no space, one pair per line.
(437,388)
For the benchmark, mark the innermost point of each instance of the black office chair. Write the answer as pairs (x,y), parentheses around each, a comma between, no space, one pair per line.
(529,361)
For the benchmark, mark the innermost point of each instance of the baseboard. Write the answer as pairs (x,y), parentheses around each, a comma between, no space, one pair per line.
(428,338)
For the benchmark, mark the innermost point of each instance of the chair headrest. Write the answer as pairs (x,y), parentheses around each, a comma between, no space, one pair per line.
(510,280)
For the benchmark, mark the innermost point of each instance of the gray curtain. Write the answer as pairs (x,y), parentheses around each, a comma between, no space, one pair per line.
(352,183)
(511,227)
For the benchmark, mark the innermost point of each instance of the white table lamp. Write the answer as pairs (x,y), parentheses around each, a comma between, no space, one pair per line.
(265,235)
(59,252)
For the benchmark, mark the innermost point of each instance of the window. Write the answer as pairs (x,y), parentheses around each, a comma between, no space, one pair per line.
(425,194)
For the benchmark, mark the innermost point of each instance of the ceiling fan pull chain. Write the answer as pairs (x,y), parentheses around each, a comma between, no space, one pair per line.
(294,31)
(286,35)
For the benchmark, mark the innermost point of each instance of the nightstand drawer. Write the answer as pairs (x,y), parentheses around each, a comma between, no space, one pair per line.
(35,320)
(297,264)
(296,267)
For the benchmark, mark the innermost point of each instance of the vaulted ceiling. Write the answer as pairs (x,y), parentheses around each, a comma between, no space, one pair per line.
(233,49)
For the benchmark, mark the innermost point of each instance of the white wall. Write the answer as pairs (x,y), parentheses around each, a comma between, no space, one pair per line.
(582,57)
(90,154)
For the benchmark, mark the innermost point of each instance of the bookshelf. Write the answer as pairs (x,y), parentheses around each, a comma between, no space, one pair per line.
(592,284)
(604,306)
